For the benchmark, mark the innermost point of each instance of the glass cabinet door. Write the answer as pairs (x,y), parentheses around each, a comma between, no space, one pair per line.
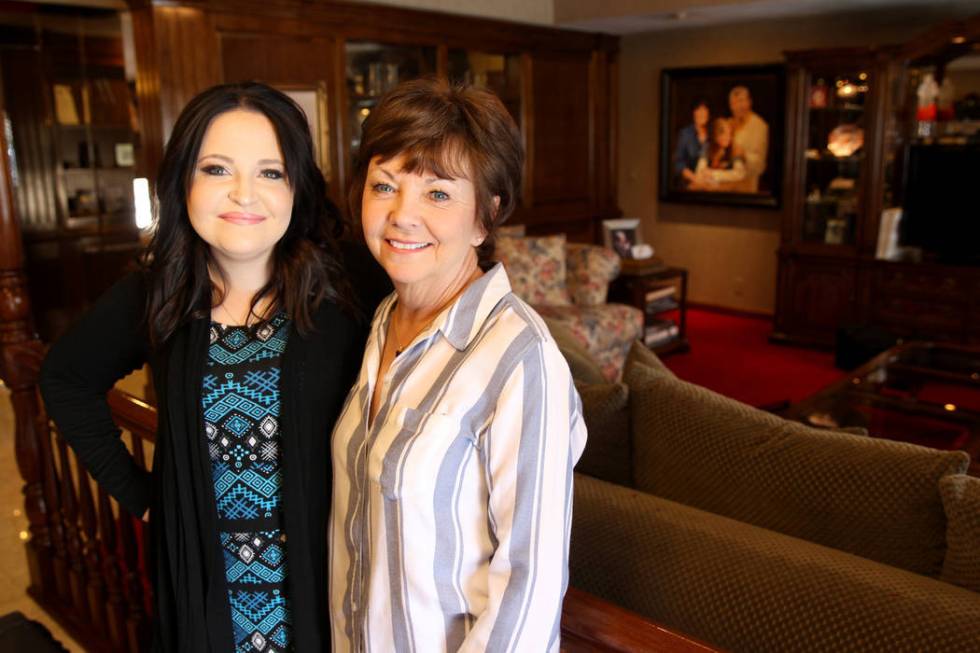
(834,156)
(500,73)
(373,69)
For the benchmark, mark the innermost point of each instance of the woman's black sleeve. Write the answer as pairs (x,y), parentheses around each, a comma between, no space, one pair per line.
(104,346)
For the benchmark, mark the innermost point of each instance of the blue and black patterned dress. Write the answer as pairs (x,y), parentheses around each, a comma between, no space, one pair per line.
(240,401)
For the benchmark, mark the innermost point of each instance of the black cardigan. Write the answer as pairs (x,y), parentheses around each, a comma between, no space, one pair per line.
(190,592)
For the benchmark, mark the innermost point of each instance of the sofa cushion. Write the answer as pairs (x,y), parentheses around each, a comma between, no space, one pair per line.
(536,268)
(639,354)
(589,270)
(961,499)
(871,497)
(608,451)
(744,588)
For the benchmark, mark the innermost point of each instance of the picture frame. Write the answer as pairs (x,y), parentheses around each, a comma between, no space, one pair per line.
(721,135)
(312,99)
(124,155)
(621,235)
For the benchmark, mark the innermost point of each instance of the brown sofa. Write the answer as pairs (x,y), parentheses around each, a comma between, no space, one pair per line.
(758,534)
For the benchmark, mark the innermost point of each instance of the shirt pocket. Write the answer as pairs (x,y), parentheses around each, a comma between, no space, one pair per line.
(408,464)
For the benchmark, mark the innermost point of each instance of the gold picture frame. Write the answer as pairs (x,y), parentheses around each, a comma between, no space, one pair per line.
(312,99)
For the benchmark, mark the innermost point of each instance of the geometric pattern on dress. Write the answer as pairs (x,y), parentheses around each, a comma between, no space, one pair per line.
(254,558)
(241,344)
(247,495)
(240,402)
(260,621)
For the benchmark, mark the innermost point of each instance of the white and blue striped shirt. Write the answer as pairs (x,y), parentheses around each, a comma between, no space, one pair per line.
(451,514)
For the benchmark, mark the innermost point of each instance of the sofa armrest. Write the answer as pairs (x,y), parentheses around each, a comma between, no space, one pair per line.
(588,271)
(745,588)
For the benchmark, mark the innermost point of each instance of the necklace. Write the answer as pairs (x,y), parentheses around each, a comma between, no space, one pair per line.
(394,337)
(393,334)
(233,321)
(231,317)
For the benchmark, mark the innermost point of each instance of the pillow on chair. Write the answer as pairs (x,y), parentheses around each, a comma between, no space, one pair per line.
(536,268)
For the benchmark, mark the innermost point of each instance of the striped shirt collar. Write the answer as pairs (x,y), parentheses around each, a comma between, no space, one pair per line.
(461,321)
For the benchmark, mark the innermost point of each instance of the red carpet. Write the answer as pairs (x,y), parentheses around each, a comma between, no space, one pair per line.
(731,355)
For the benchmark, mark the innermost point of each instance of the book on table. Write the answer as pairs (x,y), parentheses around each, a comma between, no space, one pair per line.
(656,294)
(659,332)
(662,305)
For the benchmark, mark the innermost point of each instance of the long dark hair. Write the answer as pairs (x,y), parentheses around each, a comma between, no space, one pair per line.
(306,261)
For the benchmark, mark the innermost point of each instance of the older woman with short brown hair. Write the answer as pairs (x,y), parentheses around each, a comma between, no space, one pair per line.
(453,456)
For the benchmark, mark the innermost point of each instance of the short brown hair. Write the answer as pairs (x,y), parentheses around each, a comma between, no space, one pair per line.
(453,131)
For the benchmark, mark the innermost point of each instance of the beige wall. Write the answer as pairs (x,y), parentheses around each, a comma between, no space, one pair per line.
(522,11)
(730,251)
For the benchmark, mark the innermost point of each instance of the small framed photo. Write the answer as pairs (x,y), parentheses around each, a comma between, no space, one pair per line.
(124,155)
(621,235)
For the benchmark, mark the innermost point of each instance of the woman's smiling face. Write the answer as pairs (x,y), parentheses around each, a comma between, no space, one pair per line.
(422,229)
(240,202)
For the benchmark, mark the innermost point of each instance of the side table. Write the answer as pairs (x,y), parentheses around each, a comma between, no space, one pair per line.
(659,291)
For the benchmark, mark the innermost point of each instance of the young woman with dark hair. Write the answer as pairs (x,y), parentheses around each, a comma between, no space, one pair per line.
(243,310)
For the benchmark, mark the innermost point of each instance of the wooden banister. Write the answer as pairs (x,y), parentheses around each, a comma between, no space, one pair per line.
(589,623)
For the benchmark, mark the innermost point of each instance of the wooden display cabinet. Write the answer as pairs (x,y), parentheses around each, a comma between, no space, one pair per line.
(829,271)
(74,132)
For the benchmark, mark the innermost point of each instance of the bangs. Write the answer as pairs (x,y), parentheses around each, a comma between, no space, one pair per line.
(447,158)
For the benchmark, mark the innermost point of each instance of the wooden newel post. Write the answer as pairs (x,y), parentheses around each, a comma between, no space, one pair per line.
(21,353)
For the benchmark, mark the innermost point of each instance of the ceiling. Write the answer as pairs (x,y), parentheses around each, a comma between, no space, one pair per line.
(633,16)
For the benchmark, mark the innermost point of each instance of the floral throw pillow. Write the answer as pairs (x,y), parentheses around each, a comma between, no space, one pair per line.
(536,267)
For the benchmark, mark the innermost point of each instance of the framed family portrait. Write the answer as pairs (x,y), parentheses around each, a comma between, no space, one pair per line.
(721,132)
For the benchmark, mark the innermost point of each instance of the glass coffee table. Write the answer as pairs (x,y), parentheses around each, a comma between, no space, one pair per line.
(917,392)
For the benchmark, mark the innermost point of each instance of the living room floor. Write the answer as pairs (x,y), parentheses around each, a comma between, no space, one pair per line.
(731,355)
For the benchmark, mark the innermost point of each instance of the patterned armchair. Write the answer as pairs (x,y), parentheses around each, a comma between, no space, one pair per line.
(567,284)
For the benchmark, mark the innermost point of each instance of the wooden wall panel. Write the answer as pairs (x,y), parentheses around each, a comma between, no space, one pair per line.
(177,56)
(562,130)
(274,59)
(36,189)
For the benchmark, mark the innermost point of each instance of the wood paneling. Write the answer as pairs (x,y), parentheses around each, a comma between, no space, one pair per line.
(177,56)
(562,131)
(274,59)
(37,188)
(568,113)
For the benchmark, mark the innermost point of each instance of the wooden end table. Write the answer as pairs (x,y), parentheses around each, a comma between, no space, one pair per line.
(644,285)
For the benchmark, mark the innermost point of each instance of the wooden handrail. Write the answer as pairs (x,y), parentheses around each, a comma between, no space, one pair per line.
(133,414)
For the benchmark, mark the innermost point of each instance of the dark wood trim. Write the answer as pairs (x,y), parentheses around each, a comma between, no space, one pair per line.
(596,625)
(527,127)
